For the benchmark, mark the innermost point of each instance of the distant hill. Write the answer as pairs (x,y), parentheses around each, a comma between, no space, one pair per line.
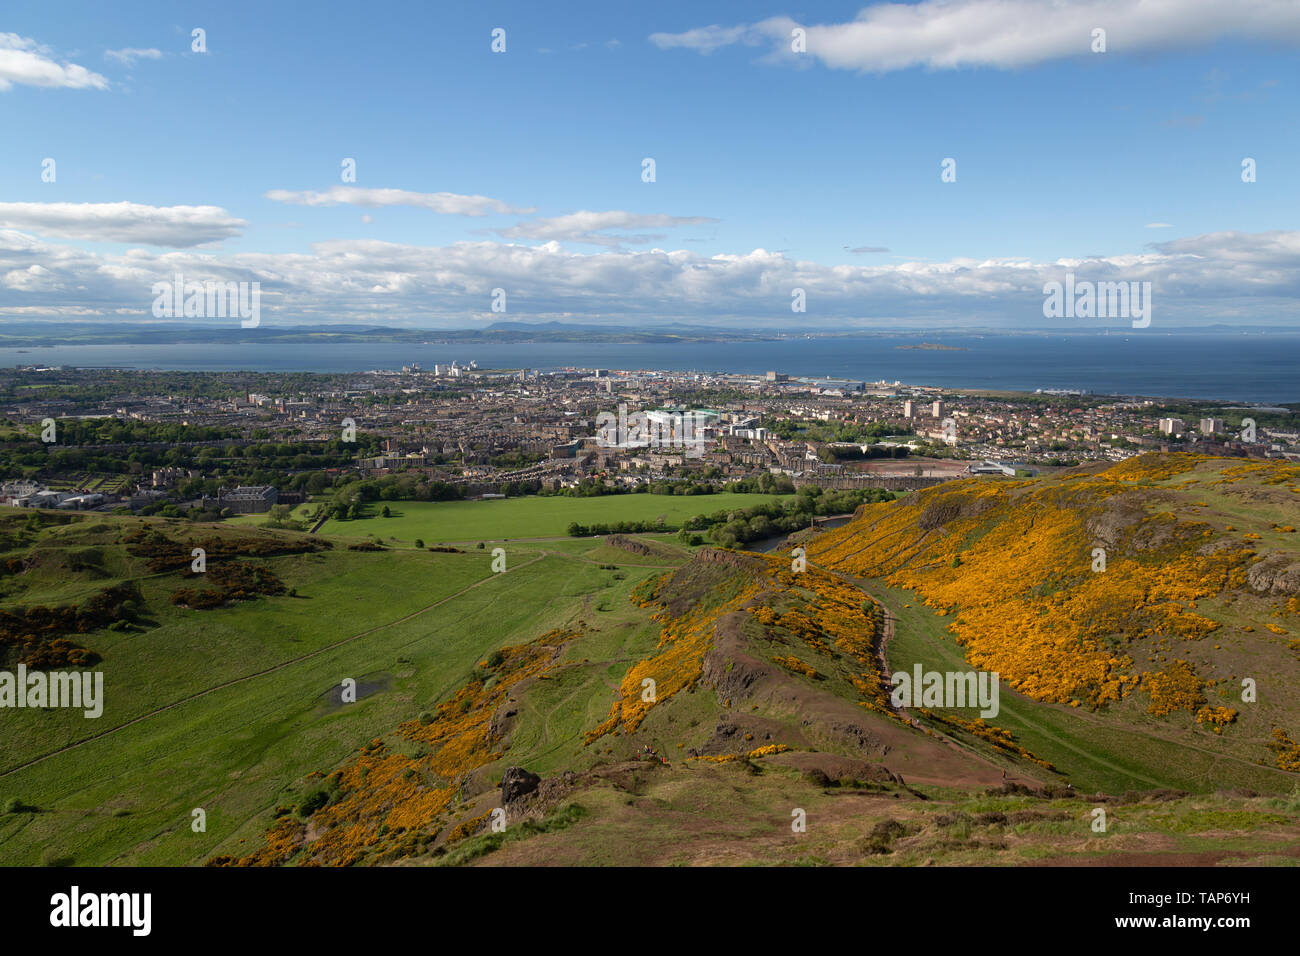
(32,335)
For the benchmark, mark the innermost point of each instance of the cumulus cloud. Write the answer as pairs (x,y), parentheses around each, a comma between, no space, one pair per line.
(593,228)
(1004,34)
(452,204)
(1266,259)
(176,226)
(1196,279)
(129,55)
(28,63)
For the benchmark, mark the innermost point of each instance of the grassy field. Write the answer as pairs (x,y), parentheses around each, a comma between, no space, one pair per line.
(256,707)
(437,522)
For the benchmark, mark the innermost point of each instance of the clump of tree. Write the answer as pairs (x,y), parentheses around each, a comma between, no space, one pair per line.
(864,452)
(281,516)
(730,529)
(350,499)
(797,429)
(577,530)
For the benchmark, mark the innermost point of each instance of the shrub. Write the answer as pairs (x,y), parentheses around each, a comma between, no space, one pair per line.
(312,802)
(882,836)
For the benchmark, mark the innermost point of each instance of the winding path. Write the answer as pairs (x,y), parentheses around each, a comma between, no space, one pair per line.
(882,651)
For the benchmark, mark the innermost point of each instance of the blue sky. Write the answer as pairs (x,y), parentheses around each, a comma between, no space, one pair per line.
(829,160)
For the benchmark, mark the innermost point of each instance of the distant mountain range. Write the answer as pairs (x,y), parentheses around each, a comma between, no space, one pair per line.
(29,334)
(35,335)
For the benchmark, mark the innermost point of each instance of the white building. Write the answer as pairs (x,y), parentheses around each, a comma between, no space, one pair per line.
(81,501)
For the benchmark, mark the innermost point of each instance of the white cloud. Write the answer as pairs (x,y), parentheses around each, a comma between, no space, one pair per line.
(1004,34)
(129,55)
(452,204)
(177,226)
(28,63)
(593,227)
(1159,225)
(1196,279)
(710,38)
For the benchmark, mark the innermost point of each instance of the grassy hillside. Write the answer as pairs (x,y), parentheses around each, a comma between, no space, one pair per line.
(224,708)
(675,707)
(1129,603)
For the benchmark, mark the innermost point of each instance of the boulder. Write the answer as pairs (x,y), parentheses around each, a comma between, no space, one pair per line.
(1276,574)
(517,782)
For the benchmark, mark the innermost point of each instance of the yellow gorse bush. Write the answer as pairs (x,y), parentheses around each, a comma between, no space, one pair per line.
(768,751)
(387,802)
(1013,561)
(676,665)
(1286,751)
